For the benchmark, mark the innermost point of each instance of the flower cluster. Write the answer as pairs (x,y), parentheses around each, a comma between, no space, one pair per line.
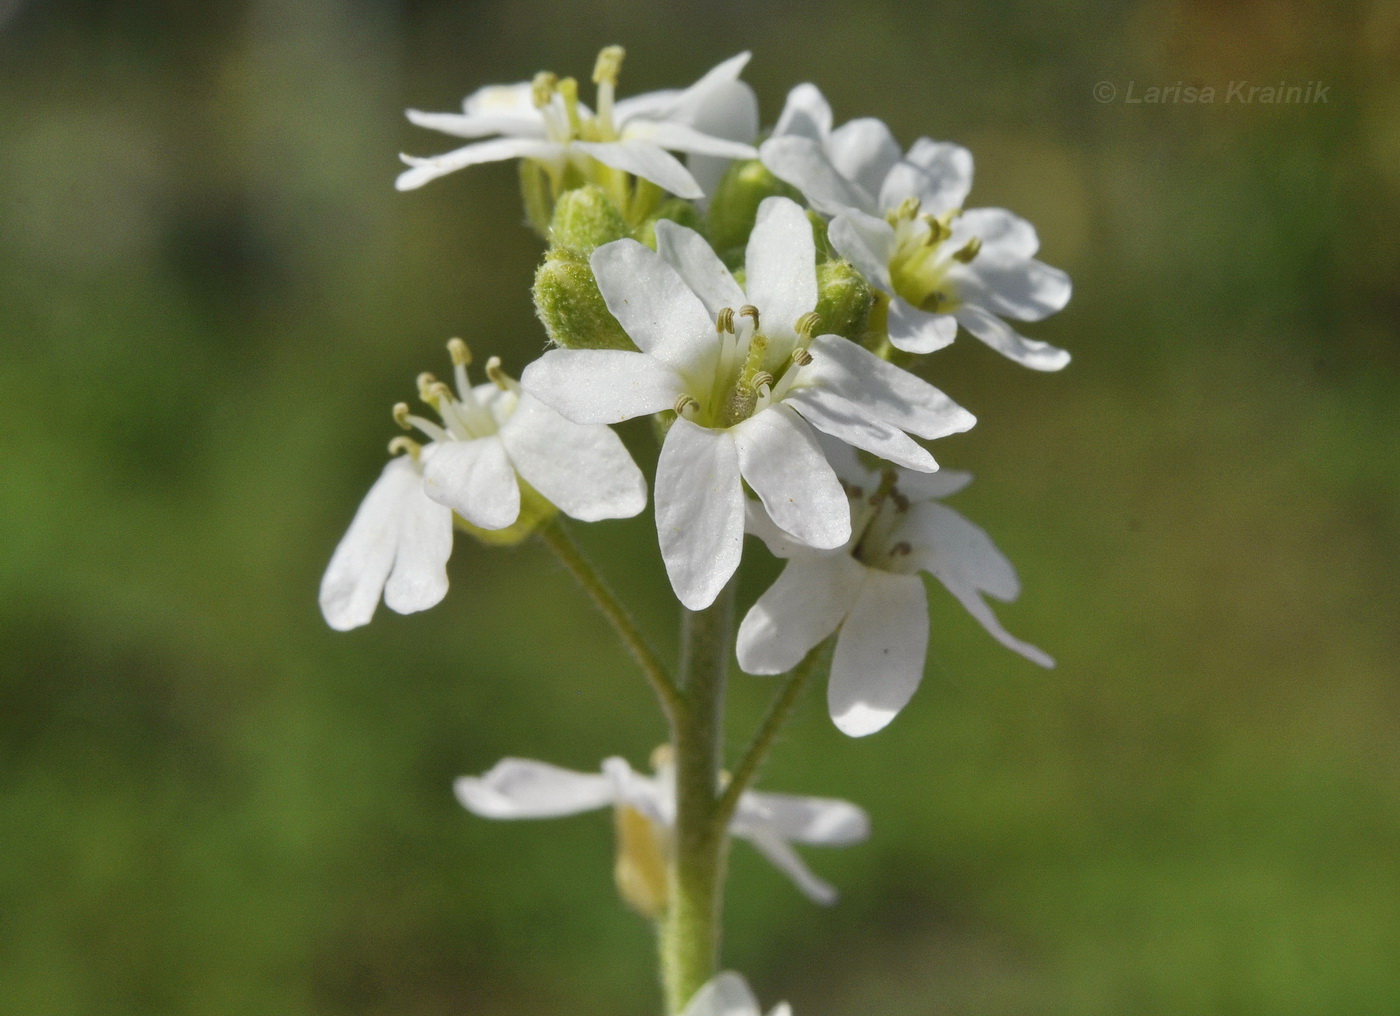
(766,304)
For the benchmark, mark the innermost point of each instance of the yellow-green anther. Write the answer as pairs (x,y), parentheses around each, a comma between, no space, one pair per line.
(403,444)
(750,311)
(425,386)
(439,394)
(801,357)
(969,250)
(724,320)
(908,208)
(460,352)
(762,379)
(609,65)
(401,415)
(684,402)
(568,88)
(806,325)
(937,230)
(542,88)
(496,373)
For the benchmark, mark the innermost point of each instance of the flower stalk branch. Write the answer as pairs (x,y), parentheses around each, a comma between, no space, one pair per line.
(561,542)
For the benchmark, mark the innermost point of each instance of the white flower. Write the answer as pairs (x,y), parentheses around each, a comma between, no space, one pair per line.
(728,994)
(493,441)
(746,386)
(544,121)
(522,788)
(898,218)
(870,589)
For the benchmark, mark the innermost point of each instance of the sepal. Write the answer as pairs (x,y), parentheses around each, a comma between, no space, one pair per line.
(844,300)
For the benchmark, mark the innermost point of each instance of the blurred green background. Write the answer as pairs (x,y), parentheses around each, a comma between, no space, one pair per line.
(210,296)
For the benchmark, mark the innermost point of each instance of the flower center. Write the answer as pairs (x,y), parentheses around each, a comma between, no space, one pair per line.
(922,257)
(557,100)
(874,518)
(751,372)
(468,413)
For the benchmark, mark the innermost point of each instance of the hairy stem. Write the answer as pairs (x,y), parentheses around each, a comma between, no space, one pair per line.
(561,541)
(690,932)
(778,713)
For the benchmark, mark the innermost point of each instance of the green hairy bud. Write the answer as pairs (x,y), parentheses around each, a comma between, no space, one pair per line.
(734,206)
(586,218)
(844,300)
(570,307)
(677,210)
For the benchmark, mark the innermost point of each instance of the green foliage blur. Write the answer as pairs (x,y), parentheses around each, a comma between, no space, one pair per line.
(211,296)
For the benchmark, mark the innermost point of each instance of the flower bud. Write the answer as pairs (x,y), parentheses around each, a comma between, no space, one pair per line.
(844,300)
(585,218)
(677,210)
(734,206)
(570,307)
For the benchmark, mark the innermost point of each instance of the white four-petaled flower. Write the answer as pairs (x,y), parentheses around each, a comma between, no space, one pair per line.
(897,216)
(728,994)
(870,589)
(713,119)
(522,788)
(746,377)
(493,439)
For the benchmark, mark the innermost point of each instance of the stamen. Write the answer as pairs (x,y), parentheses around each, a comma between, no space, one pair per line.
(568,91)
(749,310)
(663,757)
(937,231)
(807,324)
(426,382)
(686,403)
(969,251)
(801,357)
(460,352)
(498,376)
(762,380)
(609,65)
(901,549)
(542,88)
(405,444)
(724,320)
(401,415)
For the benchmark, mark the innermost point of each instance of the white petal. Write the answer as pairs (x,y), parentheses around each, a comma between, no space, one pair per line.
(480,125)
(892,394)
(806,113)
(495,150)
(419,578)
(819,821)
(582,469)
(365,556)
(681,105)
(831,414)
(653,304)
(1027,290)
(917,331)
(864,151)
(941,183)
(779,543)
(879,657)
(807,603)
(475,480)
(781,1009)
(644,159)
(602,385)
(866,242)
(523,788)
(696,262)
(951,546)
(803,163)
(725,995)
(653,796)
(699,511)
(515,99)
(977,607)
(780,265)
(678,137)
(923,486)
(1001,232)
(1008,342)
(790,863)
(784,465)
(730,111)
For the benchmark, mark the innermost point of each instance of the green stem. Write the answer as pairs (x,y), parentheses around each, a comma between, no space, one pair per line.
(690,933)
(559,540)
(778,713)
